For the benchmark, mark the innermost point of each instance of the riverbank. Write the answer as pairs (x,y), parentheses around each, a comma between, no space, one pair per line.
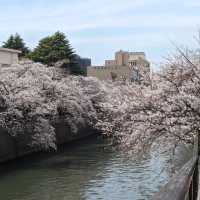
(42,107)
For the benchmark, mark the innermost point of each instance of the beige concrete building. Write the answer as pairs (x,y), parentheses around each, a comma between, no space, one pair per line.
(131,66)
(8,56)
(121,58)
(110,62)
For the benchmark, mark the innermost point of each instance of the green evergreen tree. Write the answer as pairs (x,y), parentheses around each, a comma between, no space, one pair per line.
(55,48)
(16,42)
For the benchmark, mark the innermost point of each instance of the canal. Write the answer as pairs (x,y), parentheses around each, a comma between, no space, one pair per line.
(86,170)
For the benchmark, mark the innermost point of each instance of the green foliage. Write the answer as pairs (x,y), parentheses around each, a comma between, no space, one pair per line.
(16,42)
(54,48)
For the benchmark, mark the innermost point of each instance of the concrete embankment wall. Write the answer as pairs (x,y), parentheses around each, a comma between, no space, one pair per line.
(10,148)
(7,147)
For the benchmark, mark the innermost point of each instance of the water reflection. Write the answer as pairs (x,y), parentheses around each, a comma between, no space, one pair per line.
(88,170)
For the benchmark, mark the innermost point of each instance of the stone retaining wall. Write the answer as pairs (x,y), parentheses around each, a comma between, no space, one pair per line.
(11,149)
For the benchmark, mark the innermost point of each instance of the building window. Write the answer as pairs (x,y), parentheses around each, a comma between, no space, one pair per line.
(133,63)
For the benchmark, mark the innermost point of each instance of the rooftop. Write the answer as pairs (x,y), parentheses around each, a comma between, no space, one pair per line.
(10,50)
(137,53)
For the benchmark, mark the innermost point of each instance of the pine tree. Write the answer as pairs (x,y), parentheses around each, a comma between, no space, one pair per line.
(16,42)
(55,48)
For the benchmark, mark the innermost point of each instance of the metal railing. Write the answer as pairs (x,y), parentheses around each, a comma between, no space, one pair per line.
(184,184)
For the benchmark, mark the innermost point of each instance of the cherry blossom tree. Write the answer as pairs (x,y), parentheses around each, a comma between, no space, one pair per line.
(33,98)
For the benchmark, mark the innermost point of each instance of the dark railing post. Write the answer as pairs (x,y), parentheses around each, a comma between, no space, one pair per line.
(195,181)
(197,175)
(191,191)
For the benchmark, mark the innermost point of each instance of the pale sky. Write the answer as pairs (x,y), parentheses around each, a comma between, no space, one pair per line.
(97,29)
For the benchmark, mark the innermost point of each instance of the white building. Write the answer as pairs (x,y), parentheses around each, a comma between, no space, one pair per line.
(8,56)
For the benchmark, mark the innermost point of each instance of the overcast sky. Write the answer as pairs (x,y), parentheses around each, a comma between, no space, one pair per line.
(98,28)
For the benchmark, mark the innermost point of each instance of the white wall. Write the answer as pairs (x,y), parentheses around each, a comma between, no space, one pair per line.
(8,57)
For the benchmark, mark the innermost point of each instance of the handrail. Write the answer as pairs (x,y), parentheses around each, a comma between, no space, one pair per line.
(184,184)
(177,187)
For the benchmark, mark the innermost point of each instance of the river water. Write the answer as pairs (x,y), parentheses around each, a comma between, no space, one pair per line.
(86,170)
